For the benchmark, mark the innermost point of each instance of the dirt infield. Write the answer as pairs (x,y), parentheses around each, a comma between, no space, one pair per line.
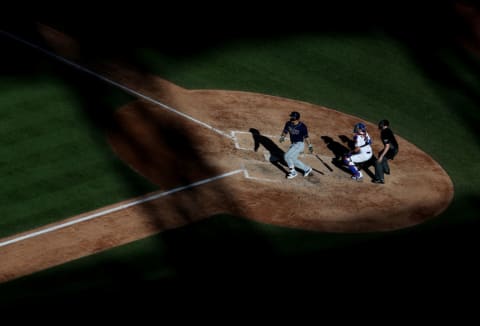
(209,133)
(327,201)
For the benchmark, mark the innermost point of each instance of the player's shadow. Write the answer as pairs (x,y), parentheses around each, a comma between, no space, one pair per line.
(338,151)
(276,153)
(347,141)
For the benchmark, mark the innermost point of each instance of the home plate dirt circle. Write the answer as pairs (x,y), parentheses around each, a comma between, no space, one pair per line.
(171,150)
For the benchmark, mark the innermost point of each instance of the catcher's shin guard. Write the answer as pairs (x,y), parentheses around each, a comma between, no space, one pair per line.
(350,165)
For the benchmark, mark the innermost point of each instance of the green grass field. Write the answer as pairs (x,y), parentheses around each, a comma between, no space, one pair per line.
(55,161)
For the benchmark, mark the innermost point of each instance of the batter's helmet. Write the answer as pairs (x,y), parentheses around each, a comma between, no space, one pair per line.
(295,115)
(383,123)
(359,127)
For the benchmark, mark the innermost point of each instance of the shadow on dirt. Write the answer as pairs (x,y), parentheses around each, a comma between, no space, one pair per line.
(276,153)
(335,147)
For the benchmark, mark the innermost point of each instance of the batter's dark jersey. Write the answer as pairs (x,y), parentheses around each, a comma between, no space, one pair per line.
(297,132)
(388,138)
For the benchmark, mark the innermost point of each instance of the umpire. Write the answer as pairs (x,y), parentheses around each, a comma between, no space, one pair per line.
(390,149)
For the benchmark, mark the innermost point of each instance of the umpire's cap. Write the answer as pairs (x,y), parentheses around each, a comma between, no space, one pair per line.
(383,123)
(295,115)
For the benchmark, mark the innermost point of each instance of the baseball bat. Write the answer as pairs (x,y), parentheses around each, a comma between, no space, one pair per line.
(326,165)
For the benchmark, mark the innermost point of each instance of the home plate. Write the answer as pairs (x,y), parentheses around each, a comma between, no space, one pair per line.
(263,171)
(243,140)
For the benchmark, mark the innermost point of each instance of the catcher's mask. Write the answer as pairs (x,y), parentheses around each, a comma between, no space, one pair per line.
(359,128)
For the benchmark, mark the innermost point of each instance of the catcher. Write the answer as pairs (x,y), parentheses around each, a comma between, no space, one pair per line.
(362,151)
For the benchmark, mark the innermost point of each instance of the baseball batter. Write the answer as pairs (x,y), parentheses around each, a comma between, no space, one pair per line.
(298,135)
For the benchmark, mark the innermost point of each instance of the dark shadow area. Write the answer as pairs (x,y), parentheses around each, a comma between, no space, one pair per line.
(208,25)
(276,153)
(337,149)
(94,97)
(348,141)
(17,60)
(435,36)
(225,260)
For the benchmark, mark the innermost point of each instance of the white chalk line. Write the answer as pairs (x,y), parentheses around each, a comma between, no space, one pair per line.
(116,209)
(247,176)
(245,170)
(114,83)
(235,139)
(266,155)
(144,97)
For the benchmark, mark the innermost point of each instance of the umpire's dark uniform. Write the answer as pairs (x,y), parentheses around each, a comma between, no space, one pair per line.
(387,137)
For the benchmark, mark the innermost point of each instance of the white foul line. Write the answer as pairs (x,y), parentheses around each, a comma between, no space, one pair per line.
(118,208)
(123,87)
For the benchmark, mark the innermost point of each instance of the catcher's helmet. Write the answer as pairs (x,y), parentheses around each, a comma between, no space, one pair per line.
(383,123)
(359,127)
(295,115)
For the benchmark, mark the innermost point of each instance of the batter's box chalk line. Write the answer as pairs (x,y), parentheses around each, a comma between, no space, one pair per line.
(266,154)
(234,133)
(236,140)
(247,175)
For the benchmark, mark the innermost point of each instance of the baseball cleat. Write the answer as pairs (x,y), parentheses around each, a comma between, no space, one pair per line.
(292,175)
(308,172)
(358,177)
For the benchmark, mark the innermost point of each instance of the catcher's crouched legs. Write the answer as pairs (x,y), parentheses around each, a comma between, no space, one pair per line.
(351,166)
